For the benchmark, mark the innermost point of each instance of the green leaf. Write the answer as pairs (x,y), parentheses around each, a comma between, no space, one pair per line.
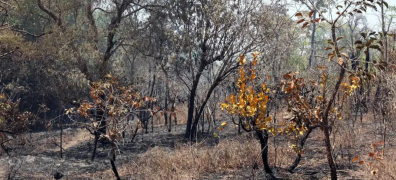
(215,135)
(363,35)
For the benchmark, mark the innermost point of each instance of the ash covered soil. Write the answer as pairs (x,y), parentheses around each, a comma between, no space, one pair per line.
(38,157)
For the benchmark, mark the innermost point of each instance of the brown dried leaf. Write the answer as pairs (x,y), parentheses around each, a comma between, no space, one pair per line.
(355,159)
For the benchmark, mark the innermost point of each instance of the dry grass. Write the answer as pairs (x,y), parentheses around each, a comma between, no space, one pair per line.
(71,138)
(76,138)
(386,167)
(186,162)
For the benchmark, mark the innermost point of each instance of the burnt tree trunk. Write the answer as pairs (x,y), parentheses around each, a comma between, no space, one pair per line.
(201,109)
(95,145)
(166,97)
(190,129)
(263,137)
(61,130)
(112,161)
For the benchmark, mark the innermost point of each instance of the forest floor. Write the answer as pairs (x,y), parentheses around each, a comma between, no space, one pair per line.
(166,155)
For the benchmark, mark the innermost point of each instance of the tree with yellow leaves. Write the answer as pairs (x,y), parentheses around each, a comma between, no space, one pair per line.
(250,105)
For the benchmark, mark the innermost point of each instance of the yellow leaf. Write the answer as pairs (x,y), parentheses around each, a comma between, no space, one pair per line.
(242,59)
(331,57)
(224,123)
(301,133)
(345,55)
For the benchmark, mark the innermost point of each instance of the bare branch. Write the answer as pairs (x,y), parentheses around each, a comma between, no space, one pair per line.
(8,53)
(49,12)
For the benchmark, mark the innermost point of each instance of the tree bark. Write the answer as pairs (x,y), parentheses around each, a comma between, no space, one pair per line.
(95,145)
(114,169)
(191,103)
(325,117)
(112,161)
(263,137)
(216,82)
(201,109)
(312,41)
(384,31)
(167,95)
(326,128)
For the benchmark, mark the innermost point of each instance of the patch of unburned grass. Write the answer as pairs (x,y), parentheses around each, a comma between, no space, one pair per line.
(186,162)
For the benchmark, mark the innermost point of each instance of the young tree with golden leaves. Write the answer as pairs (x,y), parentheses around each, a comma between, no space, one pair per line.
(249,104)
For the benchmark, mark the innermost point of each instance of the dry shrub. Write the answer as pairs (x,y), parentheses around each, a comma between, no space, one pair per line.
(281,154)
(356,142)
(386,167)
(194,161)
(181,114)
